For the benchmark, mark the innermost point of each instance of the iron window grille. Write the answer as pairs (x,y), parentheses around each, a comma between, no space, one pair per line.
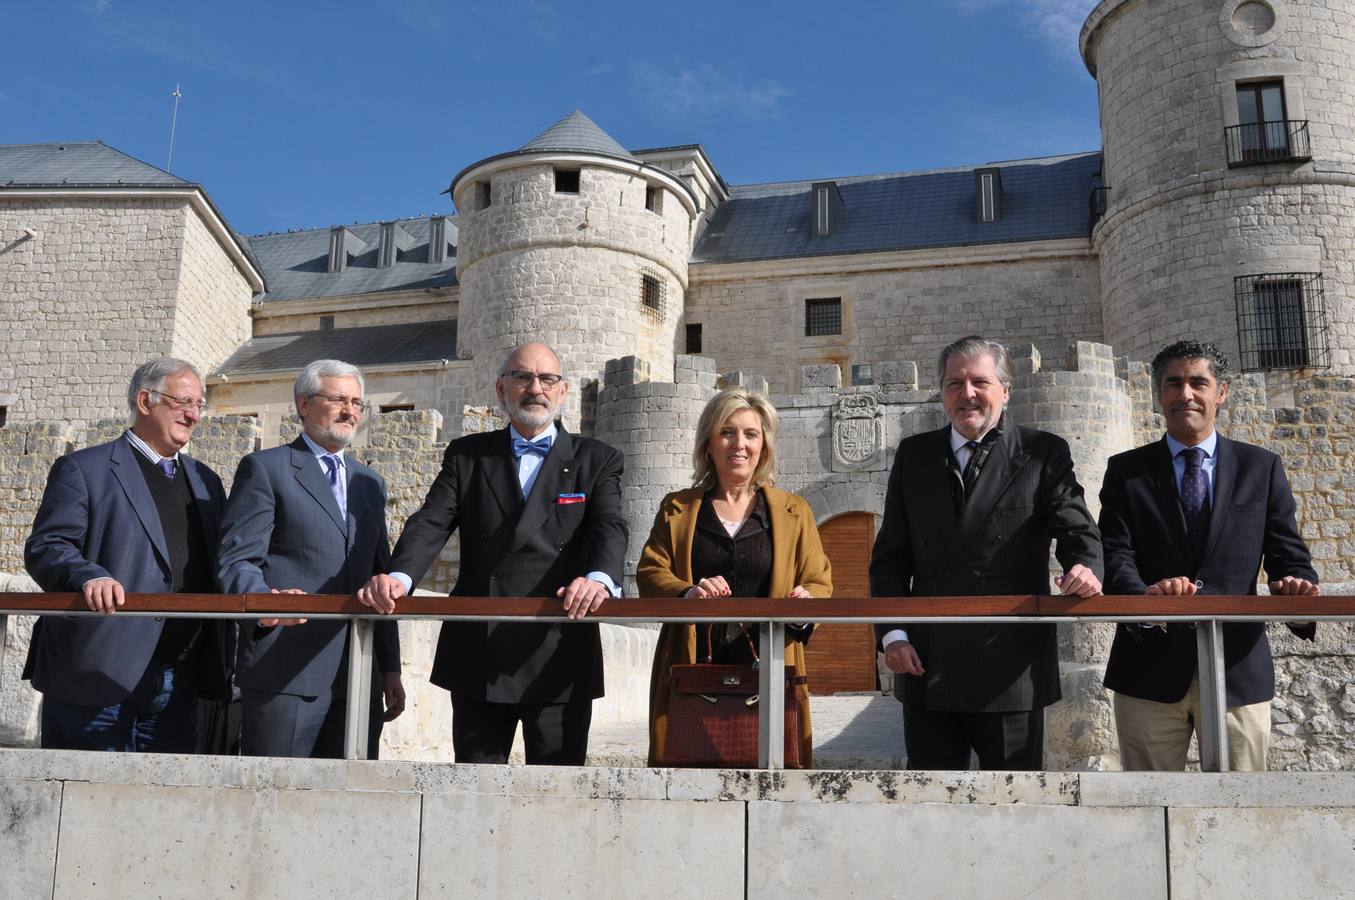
(823,316)
(653,296)
(1282,321)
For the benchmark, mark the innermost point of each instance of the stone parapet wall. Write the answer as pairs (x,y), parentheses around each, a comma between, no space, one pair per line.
(449,830)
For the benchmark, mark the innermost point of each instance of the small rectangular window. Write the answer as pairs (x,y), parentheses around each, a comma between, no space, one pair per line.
(694,338)
(482,195)
(326,323)
(1282,321)
(4,415)
(823,316)
(396,407)
(654,199)
(566,181)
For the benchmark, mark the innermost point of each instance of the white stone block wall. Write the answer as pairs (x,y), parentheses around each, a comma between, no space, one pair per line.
(211,315)
(1180,224)
(392,308)
(86,301)
(891,313)
(566,269)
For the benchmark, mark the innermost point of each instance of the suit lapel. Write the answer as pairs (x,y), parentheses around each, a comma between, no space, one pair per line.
(133,483)
(557,469)
(1168,498)
(1225,476)
(312,479)
(785,526)
(933,483)
(500,470)
(1004,461)
(208,514)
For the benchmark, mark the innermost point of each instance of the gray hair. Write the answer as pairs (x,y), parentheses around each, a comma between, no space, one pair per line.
(151,376)
(503,366)
(971,347)
(308,381)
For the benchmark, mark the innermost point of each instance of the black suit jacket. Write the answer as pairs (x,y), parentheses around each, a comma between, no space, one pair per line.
(1252,524)
(1025,496)
(512,548)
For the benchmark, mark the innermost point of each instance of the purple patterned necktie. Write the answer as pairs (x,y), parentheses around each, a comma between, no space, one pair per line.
(1195,499)
(166,466)
(335,487)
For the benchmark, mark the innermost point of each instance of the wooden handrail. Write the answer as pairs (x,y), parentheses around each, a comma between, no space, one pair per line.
(648,609)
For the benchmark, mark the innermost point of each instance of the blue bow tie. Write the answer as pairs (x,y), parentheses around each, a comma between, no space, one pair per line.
(540,446)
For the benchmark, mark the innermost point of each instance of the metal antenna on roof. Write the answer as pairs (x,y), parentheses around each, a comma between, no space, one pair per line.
(174,120)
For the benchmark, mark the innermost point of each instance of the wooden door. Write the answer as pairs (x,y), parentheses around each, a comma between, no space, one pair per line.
(842,657)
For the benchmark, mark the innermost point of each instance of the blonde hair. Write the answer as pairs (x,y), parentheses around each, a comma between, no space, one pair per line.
(714,416)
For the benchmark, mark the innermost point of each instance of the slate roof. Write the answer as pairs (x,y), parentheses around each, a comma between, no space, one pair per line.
(576,133)
(296,263)
(78,163)
(367,346)
(1042,199)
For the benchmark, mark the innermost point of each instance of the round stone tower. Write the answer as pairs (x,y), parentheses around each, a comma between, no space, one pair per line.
(573,241)
(1228,129)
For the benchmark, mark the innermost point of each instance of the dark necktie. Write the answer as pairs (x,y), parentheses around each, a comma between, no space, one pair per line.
(335,486)
(1195,499)
(971,467)
(166,466)
(540,446)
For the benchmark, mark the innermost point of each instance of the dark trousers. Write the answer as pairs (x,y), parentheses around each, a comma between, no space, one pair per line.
(935,739)
(554,734)
(304,727)
(160,715)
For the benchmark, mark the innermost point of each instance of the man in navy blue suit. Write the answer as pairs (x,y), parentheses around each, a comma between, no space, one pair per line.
(308,518)
(133,515)
(1196,513)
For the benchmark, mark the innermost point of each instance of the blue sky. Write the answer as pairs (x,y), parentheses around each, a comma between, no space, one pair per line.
(300,115)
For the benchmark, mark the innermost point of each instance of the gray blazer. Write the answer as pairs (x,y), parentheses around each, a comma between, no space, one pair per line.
(282,529)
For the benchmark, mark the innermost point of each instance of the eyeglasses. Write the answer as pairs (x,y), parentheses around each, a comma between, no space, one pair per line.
(524,379)
(355,402)
(181,402)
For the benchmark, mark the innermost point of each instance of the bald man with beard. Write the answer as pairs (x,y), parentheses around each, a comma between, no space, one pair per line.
(539,514)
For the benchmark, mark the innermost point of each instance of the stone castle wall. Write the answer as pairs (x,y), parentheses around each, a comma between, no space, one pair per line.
(211,317)
(566,269)
(86,301)
(1181,224)
(900,310)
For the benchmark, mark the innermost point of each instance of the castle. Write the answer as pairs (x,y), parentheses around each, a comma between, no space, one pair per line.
(1221,206)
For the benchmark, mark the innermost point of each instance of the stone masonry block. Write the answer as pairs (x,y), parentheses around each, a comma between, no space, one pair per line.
(821,375)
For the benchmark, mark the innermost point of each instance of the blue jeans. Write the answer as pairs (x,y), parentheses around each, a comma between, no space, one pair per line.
(160,715)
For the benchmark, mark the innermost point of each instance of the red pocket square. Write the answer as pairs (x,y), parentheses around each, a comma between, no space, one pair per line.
(570,498)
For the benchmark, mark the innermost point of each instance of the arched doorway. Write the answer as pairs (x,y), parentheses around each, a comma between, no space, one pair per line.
(842,657)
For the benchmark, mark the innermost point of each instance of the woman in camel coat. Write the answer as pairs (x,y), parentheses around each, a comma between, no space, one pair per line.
(733,534)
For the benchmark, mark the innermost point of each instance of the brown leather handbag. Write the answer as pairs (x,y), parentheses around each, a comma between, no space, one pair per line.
(713,715)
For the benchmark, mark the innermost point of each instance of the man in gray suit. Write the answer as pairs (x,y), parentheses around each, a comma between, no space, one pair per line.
(306,518)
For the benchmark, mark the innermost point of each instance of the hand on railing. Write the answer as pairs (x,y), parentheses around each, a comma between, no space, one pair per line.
(103,595)
(381,592)
(1079,581)
(269,623)
(582,596)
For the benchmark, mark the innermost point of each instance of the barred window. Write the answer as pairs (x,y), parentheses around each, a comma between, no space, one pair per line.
(653,296)
(823,315)
(1282,321)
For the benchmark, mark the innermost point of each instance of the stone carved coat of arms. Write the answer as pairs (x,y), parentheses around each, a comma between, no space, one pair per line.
(858,432)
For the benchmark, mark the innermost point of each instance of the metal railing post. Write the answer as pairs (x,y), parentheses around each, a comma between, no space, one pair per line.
(771,689)
(360,633)
(1213,697)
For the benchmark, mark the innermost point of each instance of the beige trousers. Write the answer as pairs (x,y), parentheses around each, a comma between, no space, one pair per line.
(1154,737)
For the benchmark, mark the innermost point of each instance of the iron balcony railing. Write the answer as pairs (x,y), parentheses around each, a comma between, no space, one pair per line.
(1207,612)
(1283,140)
